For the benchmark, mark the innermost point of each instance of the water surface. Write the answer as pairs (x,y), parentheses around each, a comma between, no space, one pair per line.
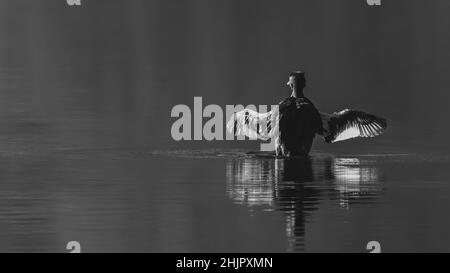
(222,201)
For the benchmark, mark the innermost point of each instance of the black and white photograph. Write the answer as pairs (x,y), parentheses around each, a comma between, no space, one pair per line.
(224,126)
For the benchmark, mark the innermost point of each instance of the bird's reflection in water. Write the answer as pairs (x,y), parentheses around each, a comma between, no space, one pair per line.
(297,186)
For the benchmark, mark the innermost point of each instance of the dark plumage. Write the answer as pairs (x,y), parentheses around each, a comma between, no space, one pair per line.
(299,122)
(296,121)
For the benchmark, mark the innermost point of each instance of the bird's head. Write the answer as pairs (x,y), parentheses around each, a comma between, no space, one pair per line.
(297,83)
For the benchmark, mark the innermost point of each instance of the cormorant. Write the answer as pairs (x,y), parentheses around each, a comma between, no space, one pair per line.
(296,121)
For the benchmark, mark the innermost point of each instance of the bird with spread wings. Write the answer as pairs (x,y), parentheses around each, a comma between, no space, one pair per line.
(295,122)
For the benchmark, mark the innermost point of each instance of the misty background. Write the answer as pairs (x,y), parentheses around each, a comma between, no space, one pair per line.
(109,72)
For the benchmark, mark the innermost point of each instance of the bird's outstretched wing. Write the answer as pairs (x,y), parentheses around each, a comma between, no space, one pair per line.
(350,124)
(254,125)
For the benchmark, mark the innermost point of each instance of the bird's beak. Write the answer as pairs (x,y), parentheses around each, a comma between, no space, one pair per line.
(290,82)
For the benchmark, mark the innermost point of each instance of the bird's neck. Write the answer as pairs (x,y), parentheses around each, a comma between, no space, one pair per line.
(297,93)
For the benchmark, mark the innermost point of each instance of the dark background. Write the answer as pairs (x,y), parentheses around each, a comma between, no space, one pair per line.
(114,69)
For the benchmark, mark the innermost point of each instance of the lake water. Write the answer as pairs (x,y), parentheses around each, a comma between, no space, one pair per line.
(87,162)
(226,200)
